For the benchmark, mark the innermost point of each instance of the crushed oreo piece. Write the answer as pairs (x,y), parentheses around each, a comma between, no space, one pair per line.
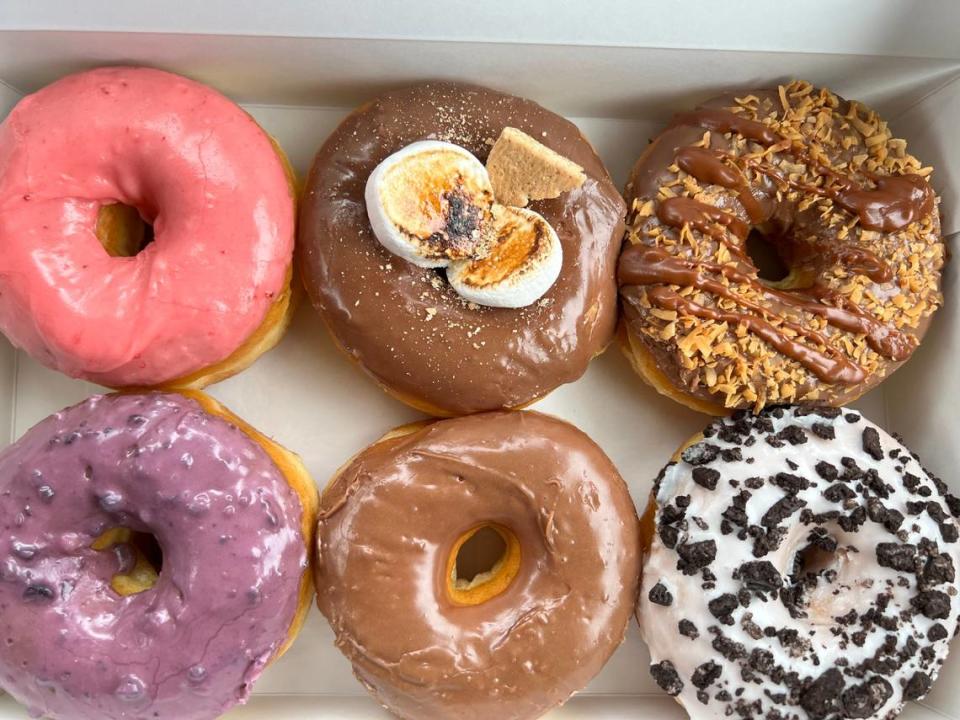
(948,531)
(688,629)
(826,470)
(932,604)
(722,607)
(730,455)
(917,686)
(669,535)
(706,674)
(706,477)
(897,556)
(867,698)
(694,556)
(871,443)
(759,575)
(666,676)
(781,510)
(822,698)
(824,431)
(838,492)
(790,483)
(793,434)
(730,649)
(938,570)
(660,595)
(701,453)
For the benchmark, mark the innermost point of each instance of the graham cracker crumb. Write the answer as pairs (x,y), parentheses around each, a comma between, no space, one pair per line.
(522,169)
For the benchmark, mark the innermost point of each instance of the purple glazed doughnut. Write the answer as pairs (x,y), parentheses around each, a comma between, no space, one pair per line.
(228,510)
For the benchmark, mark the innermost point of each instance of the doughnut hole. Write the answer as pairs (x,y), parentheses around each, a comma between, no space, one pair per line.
(813,560)
(482,564)
(139,559)
(828,577)
(771,267)
(122,230)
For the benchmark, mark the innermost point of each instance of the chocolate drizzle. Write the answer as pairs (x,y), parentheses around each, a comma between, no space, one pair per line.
(708,166)
(680,211)
(892,205)
(724,121)
(643,265)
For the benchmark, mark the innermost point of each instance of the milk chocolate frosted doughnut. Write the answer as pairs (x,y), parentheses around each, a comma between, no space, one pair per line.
(803,566)
(821,187)
(514,640)
(154,559)
(405,324)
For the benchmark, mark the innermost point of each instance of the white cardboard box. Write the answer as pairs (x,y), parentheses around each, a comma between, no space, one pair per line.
(619,68)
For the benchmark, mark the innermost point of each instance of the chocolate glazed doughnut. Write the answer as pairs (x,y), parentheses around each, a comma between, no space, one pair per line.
(404,324)
(511,642)
(819,186)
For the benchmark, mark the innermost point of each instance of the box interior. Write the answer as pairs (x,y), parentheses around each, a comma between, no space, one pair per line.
(298,88)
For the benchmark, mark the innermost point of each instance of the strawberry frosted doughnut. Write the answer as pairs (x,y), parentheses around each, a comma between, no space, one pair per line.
(200,302)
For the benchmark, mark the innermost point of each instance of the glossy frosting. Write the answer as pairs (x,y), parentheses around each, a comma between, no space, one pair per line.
(233,558)
(388,524)
(197,167)
(404,324)
(803,567)
(849,212)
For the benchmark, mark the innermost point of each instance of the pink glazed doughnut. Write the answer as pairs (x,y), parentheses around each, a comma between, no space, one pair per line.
(200,302)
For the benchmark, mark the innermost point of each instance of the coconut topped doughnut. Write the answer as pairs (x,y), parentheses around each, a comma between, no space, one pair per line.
(804,566)
(796,178)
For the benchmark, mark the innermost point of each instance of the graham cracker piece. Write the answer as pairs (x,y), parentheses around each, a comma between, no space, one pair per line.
(522,169)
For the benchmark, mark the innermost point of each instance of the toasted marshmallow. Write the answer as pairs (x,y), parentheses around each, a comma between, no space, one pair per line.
(523,264)
(430,204)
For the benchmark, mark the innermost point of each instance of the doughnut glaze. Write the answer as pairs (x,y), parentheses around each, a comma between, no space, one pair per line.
(394,516)
(818,185)
(405,325)
(234,560)
(803,567)
(195,166)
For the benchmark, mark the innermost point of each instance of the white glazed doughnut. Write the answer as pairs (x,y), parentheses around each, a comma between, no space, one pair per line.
(803,566)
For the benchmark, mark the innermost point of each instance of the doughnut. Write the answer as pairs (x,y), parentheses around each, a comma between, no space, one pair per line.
(154,559)
(432,638)
(803,565)
(84,163)
(424,285)
(781,247)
